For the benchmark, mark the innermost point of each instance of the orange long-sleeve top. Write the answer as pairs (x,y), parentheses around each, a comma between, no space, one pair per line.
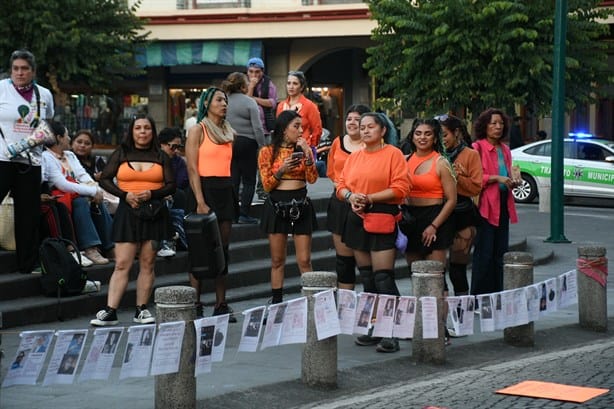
(371,172)
(268,167)
(311,121)
(470,184)
(337,156)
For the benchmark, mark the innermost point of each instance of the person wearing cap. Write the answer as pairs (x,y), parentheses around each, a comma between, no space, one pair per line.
(264,92)
(23,104)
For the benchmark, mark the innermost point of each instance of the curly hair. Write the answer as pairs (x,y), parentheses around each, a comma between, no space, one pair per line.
(481,124)
(234,83)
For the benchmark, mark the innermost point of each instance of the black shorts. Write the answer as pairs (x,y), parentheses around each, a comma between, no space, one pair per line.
(272,223)
(462,219)
(220,196)
(424,217)
(127,228)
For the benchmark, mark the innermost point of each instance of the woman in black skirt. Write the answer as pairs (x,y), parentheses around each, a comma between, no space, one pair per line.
(140,174)
(286,166)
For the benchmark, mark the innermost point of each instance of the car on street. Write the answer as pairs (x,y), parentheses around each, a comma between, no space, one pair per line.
(588,167)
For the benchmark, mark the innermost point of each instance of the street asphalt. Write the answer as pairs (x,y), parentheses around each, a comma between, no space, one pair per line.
(475,367)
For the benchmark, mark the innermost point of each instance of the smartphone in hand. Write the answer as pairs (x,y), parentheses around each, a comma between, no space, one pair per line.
(298,155)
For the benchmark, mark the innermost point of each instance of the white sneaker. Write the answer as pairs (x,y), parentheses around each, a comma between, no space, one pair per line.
(85,262)
(166,251)
(91,287)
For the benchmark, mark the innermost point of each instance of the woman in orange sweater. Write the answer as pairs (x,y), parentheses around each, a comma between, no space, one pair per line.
(286,166)
(296,101)
(140,174)
(468,168)
(374,180)
(338,209)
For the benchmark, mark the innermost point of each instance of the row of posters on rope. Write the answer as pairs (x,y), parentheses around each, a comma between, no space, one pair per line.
(156,349)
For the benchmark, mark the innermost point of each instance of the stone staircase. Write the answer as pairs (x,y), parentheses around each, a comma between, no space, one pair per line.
(22,304)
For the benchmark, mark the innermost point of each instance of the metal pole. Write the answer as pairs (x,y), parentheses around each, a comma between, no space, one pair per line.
(557,221)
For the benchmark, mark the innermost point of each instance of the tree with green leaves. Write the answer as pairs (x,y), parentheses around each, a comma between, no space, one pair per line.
(438,55)
(91,42)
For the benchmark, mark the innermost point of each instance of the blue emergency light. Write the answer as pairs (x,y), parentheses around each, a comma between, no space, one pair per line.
(580,135)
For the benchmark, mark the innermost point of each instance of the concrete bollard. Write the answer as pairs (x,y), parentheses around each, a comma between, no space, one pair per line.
(319,363)
(518,273)
(592,265)
(427,281)
(178,390)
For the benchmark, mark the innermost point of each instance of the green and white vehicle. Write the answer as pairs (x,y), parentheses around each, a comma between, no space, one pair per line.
(588,168)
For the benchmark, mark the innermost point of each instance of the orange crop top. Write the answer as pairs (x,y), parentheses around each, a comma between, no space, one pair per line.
(268,168)
(130,180)
(213,159)
(425,185)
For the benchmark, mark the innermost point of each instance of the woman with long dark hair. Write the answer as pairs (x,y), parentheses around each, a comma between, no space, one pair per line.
(141,175)
(286,166)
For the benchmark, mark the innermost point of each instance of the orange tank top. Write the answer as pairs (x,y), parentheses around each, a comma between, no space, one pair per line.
(130,180)
(213,159)
(426,185)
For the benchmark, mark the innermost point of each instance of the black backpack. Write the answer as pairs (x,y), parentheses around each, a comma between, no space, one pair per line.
(62,275)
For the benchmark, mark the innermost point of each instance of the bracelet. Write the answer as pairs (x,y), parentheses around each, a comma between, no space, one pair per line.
(347,196)
(276,176)
(434,227)
(308,162)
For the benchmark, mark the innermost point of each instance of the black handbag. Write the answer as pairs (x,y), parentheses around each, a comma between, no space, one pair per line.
(408,221)
(149,210)
(464,204)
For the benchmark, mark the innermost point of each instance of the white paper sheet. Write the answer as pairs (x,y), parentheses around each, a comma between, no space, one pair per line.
(553,294)
(167,348)
(465,315)
(27,364)
(384,318)
(568,289)
(533,301)
(521,314)
(252,326)
(430,321)
(205,330)
(486,305)
(220,337)
(294,328)
(272,329)
(99,361)
(139,347)
(346,310)
(65,357)
(498,315)
(364,312)
(325,315)
(404,318)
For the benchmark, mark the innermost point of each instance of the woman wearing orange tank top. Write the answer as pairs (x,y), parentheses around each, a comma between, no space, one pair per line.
(139,173)
(209,154)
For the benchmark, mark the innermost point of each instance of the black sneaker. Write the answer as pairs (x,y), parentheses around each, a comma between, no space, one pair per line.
(367,340)
(105,317)
(388,345)
(222,309)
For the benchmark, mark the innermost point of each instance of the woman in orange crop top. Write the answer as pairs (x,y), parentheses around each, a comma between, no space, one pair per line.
(309,112)
(468,168)
(209,155)
(433,195)
(286,166)
(144,177)
(374,180)
(338,209)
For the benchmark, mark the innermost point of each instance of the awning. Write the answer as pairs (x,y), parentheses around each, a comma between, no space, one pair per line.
(225,52)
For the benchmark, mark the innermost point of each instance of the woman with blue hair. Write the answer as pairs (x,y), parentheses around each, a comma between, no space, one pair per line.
(209,155)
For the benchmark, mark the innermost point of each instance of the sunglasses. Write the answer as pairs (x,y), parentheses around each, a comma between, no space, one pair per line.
(174,146)
(441,117)
(296,73)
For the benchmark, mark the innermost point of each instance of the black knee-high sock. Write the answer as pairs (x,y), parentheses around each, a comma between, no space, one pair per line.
(384,282)
(368,279)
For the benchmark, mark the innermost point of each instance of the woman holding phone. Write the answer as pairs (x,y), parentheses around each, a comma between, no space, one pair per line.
(286,166)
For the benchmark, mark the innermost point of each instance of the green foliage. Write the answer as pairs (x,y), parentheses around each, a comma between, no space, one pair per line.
(91,41)
(442,55)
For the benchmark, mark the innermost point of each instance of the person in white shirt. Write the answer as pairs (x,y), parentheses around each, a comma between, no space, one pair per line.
(23,104)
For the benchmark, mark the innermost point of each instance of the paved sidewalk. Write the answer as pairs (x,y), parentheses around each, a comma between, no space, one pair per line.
(270,378)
